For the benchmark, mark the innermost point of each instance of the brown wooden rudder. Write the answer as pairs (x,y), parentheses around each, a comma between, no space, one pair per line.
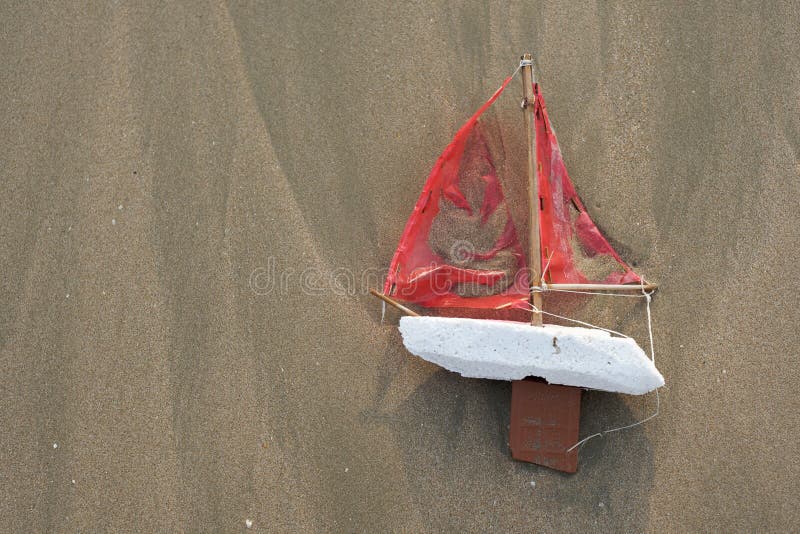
(545,422)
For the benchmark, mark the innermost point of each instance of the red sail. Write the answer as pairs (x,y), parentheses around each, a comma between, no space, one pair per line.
(573,249)
(460,247)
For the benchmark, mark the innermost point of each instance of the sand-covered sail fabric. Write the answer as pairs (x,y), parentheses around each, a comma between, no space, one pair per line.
(573,249)
(461,248)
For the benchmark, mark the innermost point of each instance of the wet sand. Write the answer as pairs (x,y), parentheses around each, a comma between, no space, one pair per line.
(163,167)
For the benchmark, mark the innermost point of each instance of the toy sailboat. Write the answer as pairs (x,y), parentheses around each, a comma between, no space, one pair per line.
(461,254)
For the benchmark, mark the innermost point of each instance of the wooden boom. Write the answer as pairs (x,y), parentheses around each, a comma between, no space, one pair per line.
(601,287)
(391,301)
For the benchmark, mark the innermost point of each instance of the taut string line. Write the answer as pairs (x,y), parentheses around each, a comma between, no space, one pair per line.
(648,298)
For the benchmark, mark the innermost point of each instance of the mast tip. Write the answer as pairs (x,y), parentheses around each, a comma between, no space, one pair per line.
(526,61)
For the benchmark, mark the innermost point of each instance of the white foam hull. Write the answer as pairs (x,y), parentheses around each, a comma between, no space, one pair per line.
(506,350)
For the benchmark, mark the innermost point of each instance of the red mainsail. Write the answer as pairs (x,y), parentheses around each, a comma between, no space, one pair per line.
(460,247)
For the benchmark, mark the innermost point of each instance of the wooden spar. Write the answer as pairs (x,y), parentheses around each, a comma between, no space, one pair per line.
(391,301)
(534,252)
(603,287)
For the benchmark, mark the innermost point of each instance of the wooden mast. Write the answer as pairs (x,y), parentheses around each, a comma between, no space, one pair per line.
(545,418)
(534,250)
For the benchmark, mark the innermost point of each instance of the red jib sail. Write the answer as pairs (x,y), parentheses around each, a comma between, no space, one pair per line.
(460,247)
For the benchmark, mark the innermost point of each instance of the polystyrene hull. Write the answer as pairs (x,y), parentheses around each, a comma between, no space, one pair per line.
(507,350)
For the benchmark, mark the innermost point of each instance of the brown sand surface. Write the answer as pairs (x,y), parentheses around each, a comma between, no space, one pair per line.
(161,165)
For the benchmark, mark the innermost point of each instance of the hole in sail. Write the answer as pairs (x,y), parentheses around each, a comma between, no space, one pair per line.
(541,204)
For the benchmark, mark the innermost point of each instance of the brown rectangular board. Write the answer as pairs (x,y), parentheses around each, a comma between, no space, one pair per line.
(545,422)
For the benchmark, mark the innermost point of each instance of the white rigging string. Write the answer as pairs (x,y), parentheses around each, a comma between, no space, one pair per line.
(533,308)
(647,296)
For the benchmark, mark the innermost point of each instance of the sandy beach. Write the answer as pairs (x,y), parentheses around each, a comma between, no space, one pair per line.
(196,197)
